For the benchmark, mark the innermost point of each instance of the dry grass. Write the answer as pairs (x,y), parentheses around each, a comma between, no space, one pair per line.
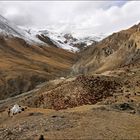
(115,51)
(23,63)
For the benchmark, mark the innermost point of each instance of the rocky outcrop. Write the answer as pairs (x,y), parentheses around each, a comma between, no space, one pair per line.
(83,90)
(46,39)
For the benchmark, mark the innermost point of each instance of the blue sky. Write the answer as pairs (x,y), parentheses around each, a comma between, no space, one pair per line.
(81,17)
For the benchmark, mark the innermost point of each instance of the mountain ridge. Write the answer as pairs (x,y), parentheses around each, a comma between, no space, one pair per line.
(24,64)
(116,50)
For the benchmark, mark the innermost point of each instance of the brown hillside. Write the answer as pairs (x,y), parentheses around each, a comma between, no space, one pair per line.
(23,66)
(117,50)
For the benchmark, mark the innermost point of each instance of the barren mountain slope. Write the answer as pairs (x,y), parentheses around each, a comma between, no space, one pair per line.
(114,115)
(115,51)
(103,103)
(22,66)
(103,106)
(25,61)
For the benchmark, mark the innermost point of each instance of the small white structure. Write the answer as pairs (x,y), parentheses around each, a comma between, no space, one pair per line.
(62,78)
(15,109)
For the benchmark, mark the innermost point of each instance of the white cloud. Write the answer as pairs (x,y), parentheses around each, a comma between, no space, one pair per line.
(83,17)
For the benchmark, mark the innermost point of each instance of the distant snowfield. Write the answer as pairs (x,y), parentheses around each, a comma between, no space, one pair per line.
(60,39)
(67,41)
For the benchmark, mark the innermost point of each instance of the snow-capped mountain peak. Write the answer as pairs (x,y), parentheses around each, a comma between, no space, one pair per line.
(7,27)
(12,30)
(66,41)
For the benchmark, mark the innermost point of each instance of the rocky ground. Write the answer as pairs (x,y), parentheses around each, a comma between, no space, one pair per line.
(85,122)
(81,91)
(105,106)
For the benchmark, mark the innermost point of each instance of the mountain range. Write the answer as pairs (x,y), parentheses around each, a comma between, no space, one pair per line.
(38,36)
(43,54)
(25,61)
(69,87)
